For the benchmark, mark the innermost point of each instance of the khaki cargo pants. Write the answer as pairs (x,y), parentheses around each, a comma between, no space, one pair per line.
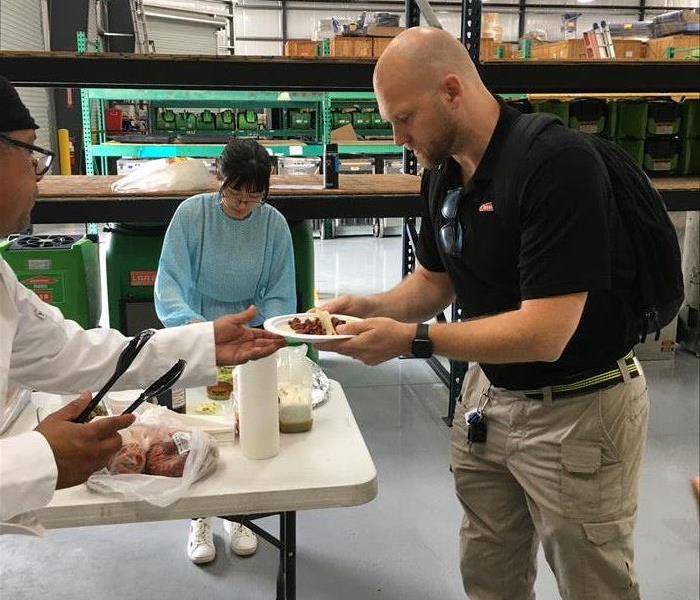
(564,473)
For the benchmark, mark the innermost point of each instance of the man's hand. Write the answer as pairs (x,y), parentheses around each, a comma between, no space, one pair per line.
(376,340)
(353,306)
(80,449)
(237,344)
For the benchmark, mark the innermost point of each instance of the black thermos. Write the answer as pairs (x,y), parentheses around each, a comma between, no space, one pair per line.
(330,166)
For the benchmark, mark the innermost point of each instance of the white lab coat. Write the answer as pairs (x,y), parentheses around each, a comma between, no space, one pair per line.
(41,350)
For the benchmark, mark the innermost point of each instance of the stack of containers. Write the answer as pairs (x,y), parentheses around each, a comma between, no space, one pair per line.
(663,147)
(690,138)
(627,126)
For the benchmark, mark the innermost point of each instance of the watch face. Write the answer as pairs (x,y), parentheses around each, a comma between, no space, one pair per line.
(422,348)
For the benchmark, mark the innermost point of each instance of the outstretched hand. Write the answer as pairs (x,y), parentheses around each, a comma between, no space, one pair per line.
(237,344)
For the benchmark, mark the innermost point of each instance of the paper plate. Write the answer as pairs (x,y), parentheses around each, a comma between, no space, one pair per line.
(280,326)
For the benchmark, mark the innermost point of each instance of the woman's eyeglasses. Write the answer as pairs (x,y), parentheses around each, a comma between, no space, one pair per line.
(451,233)
(41,158)
(239,199)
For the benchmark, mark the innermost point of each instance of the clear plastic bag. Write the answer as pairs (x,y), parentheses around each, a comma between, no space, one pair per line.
(159,459)
(167,175)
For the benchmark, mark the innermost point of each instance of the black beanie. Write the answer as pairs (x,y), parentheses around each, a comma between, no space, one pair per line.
(14,115)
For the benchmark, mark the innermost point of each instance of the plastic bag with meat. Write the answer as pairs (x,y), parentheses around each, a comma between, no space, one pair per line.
(159,459)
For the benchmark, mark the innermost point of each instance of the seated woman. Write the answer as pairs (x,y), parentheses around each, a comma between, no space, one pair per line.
(223,252)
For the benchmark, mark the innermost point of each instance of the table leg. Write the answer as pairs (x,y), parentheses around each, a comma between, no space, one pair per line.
(281,571)
(290,556)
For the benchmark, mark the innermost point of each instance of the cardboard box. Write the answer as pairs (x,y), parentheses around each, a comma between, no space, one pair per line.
(625,48)
(385,32)
(346,133)
(301,48)
(563,50)
(656,48)
(351,47)
(379,44)
(488,49)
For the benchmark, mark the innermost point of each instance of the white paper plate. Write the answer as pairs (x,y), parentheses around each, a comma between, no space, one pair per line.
(280,326)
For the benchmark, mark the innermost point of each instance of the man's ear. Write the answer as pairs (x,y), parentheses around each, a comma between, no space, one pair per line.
(452,87)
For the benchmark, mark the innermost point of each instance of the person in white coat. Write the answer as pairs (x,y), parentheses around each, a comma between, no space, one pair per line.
(40,350)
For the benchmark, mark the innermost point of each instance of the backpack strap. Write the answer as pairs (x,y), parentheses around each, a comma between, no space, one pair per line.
(523,134)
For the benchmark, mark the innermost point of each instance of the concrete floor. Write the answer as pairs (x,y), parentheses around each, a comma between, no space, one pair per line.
(402,546)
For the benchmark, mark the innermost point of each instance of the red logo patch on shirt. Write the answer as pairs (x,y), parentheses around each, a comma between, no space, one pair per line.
(486,207)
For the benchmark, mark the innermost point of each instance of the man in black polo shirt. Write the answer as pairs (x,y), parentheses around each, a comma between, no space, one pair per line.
(557,404)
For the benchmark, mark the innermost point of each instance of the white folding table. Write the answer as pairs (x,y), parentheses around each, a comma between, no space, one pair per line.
(327,467)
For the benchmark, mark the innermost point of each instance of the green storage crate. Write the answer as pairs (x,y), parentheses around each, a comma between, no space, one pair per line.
(166,120)
(299,119)
(588,115)
(554,107)
(690,119)
(206,120)
(63,270)
(226,120)
(361,120)
(378,122)
(132,256)
(340,119)
(689,163)
(631,121)
(664,118)
(186,121)
(661,156)
(247,120)
(635,148)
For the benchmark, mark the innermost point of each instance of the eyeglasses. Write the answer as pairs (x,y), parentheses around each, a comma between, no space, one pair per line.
(41,158)
(239,199)
(451,233)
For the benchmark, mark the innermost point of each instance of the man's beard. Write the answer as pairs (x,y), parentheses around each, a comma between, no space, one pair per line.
(439,150)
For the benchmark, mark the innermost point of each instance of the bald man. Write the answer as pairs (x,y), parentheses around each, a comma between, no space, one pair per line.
(556,402)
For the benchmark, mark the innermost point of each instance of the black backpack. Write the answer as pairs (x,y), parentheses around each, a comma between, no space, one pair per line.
(658,286)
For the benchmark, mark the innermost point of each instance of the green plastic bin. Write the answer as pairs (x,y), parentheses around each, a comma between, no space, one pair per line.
(186,121)
(588,115)
(226,120)
(689,162)
(206,120)
(299,119)
(690,119)
(166,120)
(661,155)
(631,121)
(340,119)
(247,120)
(361,120)
(664,118)
(635,148)
(554,107)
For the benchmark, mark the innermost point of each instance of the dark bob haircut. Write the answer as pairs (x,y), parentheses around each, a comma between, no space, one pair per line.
(245,165)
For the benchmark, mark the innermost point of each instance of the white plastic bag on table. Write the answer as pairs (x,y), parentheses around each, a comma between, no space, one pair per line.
(167,175)
(158,424)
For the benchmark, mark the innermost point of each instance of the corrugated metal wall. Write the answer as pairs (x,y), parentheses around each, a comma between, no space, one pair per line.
(21,28)
(181,37)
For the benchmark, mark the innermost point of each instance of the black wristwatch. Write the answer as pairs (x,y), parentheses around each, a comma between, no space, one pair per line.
(422,347)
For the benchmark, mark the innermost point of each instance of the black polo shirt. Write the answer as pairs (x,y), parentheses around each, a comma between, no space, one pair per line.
(569,240)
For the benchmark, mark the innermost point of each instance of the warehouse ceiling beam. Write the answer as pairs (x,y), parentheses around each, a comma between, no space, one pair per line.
(162,71)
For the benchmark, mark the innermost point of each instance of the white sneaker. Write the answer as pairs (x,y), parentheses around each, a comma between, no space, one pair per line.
(200,544)
(243,541)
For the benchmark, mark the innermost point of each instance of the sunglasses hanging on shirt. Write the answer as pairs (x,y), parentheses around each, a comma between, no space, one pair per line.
(452,233)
